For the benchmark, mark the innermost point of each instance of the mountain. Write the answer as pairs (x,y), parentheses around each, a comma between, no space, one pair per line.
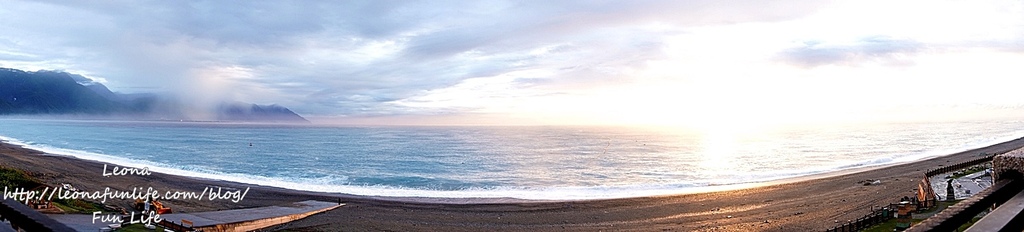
(61,93)
(48,92)
(253,112)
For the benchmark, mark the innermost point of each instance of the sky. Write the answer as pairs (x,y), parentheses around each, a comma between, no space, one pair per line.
(718,63)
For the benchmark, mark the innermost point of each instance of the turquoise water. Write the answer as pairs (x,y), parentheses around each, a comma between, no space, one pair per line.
(542,162)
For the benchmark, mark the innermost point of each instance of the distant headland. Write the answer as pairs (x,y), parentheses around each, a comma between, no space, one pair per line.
(65,94)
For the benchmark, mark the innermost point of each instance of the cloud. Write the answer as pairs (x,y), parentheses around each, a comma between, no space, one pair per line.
(356,58)
(880,49)
(353,57)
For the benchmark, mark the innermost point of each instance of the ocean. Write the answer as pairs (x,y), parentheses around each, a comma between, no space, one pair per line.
(524,162)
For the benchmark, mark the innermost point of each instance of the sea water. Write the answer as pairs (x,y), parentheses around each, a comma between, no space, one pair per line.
(525,162)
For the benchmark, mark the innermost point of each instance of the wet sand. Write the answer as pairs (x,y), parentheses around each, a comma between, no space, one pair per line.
(802,204)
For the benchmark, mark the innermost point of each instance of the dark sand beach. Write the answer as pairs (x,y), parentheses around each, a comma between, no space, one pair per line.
(806,204)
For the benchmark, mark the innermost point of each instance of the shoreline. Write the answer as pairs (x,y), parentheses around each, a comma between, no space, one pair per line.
(813,202)
(485,197)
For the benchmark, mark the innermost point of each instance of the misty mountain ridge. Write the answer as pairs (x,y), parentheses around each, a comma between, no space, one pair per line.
(60,93)
(251,112)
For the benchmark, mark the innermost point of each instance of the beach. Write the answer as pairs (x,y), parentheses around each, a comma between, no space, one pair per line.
(811,203)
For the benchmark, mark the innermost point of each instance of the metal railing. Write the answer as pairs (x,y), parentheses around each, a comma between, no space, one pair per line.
(958,166)
(1007,217)
(24,218)
(963,212)
(866,221)
(1005,199)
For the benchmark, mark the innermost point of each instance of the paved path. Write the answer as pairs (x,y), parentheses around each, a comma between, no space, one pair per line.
(211,218)
(83,222)
(79,222)
(963,187)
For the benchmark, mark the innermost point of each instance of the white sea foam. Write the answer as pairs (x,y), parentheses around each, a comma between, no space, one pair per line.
(528,193)
(322,184)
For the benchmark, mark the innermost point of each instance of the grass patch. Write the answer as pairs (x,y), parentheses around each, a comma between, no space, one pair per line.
(970,170)
(77,206)
(890,225)
(14,178)
(968,225)
(939,207)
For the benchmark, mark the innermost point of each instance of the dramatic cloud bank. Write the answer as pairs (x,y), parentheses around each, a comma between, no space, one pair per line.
(549,62)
